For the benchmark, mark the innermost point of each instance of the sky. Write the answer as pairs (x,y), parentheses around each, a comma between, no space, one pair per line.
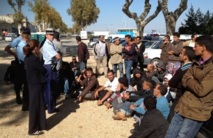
(111,15)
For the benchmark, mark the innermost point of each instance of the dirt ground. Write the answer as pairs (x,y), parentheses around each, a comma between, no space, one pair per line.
(84,120)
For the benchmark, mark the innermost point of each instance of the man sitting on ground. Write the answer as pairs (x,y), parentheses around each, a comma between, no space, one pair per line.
(90,84)
(116,99)
(125,110)
(110,86)
(153,124)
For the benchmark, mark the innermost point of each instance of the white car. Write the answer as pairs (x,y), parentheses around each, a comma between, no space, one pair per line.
(9,37)
(152,52)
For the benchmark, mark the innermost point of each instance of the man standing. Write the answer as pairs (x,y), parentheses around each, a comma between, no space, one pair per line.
(174,52)
(141,49)
(100,51)
(116,56)
(20,74)
(196,105)
(50,57)
(83,53)
(129,52)
(186,57)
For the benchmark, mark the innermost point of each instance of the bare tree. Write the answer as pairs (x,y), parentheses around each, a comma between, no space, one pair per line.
(172,17)
(142,20)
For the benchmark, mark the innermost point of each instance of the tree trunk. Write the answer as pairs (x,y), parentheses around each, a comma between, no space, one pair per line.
(170,28)
(140,29)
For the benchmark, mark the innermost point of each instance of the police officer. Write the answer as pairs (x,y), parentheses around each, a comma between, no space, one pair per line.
(20,74)
(50,57)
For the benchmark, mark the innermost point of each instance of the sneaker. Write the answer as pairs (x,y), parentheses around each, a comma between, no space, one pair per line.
(37,133)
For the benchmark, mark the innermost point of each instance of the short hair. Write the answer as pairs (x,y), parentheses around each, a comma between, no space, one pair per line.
(176,34)
(207,41)
(78,38)
(167,36)
(162,88)
(124,81)
(150,102)
(100,36)
(192,36)
(149,83)
(128,36)
(189,52)
(110,71)
(139,37)
(89,69)
(56,35)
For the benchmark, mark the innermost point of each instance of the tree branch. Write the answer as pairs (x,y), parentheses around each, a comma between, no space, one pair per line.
(157,11)
(147,7)
(182,7)
(126,10)
(12,4)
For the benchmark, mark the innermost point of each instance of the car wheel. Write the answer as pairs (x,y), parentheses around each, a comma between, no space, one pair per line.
(155,61)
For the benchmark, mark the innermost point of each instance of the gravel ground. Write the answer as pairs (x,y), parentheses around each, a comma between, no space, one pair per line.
(84,120)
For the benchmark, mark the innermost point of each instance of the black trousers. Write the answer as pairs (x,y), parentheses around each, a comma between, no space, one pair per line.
(20,80)
(37,117)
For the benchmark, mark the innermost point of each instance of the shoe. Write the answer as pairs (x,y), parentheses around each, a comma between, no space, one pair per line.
(54,111)
(136,125)
(132,131)
(25,108)
(37,133)
(119,116)
(18,100)
(67,96)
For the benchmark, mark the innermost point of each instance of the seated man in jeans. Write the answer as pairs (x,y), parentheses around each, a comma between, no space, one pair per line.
(153,124)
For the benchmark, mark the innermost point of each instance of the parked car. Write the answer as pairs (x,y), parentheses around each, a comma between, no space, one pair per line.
(152,52)
(9,37)
(93,41)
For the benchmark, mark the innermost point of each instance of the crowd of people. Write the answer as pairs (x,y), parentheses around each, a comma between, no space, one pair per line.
(169,99)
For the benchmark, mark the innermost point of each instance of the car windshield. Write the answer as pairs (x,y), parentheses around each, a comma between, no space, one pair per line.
(148,44)
(153,44)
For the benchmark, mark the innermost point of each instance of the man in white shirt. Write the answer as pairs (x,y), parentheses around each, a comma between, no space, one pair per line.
(109,87)
(101,55)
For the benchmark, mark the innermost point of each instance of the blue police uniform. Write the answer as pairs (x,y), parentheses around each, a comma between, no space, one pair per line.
(49,53)
(15,42)
(20,73)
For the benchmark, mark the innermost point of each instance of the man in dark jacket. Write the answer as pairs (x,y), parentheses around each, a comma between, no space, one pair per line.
(196,104)
(141,49)
(186,57)
(153,124)
(83,53)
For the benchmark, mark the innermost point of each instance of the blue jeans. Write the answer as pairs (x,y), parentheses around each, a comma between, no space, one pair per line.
(128,66)
(82,65)
(66,87)
(118,66)
(182,127)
